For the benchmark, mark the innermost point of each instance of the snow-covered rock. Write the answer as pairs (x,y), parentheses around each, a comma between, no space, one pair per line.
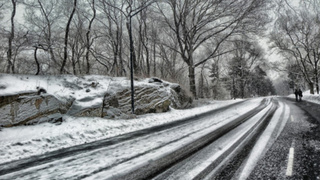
(180,98)
(29,108)
(149,98)
(84,96)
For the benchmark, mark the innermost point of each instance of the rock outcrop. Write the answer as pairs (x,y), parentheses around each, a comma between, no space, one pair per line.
(180,98)
(148,99)
(28,108)
(153,96)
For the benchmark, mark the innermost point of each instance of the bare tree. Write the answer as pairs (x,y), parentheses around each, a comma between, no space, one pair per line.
(196,22)
(65,52)
(296,36)
(77,43)
(246,56)
(144,40)
(42,18)
(88,33)
(114,35)
(10,66)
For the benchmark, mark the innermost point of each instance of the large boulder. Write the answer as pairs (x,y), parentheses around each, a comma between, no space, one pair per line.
(111,106)
(153,97)
(26,108)
(180,98)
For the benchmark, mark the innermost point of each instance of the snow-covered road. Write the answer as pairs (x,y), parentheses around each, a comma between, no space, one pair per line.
(248,139)
(25,141)
(146,149)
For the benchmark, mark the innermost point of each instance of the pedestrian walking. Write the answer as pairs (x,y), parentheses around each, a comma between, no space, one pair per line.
(300,94)
(296,92)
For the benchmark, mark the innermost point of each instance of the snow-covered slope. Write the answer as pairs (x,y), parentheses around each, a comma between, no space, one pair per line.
(63,87)
(315,98)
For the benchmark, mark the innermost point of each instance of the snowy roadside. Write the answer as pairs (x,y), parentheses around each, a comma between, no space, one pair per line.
(315,98)
(25,141)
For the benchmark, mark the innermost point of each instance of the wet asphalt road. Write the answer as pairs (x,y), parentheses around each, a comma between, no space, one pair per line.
(301,136)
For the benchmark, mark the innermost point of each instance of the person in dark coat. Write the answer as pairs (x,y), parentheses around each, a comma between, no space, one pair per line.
(300,94)
(296,92)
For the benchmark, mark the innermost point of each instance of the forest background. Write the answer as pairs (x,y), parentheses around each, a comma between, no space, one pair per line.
(216,48)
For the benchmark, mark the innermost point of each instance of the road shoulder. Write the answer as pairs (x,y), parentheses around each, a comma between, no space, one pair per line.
(301,137)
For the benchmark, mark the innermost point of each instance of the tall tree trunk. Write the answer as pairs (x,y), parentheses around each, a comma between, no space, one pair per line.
(48,36)
(144,40)
(317,85)
(73,52)
(154,59)
(201,85)
(65,54)
(10,66)
(139,56)
(316,72)
(192,81)
(122,69)
(120,42)
(36,59)
(234,95)
(88,37)
(242,85)
(132,50)
(132,62)
(115,66)
(311,87)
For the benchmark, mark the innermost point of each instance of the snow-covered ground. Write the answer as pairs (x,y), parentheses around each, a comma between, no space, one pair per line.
(121,158)
(24,141)
(315,98)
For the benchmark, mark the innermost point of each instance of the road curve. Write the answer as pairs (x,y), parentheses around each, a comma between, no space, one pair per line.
(142,154)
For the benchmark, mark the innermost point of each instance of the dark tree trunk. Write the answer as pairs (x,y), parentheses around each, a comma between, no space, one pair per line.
(192,81)
(132,51)
(317,84)
(73,60)
(10,66)
(36,59)
(242,87)
(311,87)
(154,59)
(234,96)
(65,54)
(88,37)
(122,70)
(316,74)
